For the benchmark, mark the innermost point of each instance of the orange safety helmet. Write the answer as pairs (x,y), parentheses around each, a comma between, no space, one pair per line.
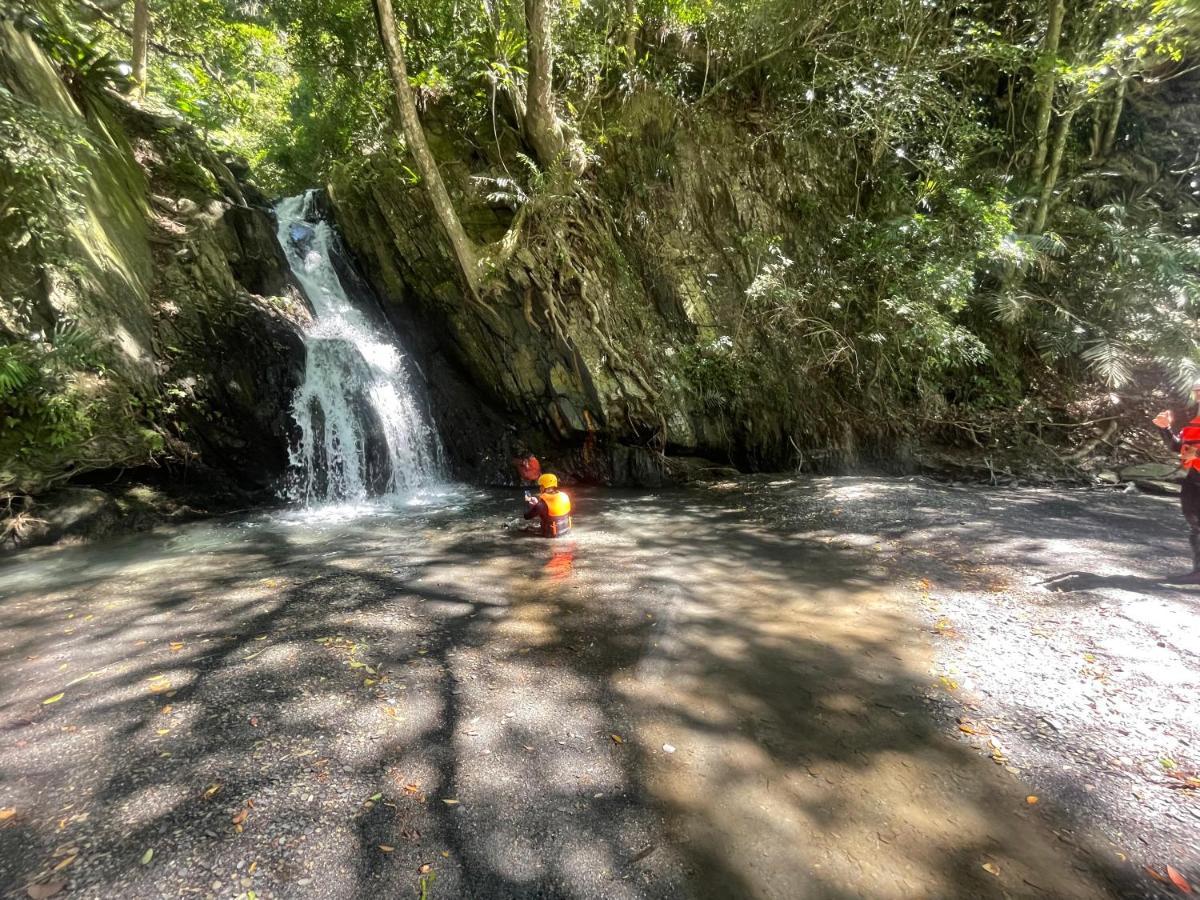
(548,481)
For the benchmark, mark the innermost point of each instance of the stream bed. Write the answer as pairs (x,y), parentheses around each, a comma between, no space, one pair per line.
(788,687)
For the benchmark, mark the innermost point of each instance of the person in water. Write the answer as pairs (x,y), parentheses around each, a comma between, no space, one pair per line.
(551,506)
(1186,442)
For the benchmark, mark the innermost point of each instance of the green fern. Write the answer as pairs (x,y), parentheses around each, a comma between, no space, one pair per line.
(16,372)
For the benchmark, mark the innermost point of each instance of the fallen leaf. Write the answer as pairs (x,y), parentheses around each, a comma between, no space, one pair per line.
(254,721)
(212,790)
(1178,880)
(387,848)
(1153,874)
(425,868)
(450,802)
(446,853)
(147,856)
(240,816)
(159,687)
(617,739)
(66,862)
(390,710)
(7,813)
(162,731)
(166,710)
(45,890)
(253,866)
(1031,799)
(53,699)
(991,869)
(377,797)
(176,646)
(412,788)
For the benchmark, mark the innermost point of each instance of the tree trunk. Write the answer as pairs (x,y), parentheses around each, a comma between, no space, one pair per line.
(1114,120)
(543,129)
(141,40)
(541,122)
(414,135)
(1061,133)
(1044,89)
(631,35)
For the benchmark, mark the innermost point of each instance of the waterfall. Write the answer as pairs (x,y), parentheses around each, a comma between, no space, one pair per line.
(362,432)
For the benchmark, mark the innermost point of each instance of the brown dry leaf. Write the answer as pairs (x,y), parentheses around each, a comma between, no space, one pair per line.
(390,710)
(66,862)
(240,816)
(159,687)
(53,699)
(1031,799)
(387,848)
(967,728)
(617,739)
(45,890)
(7,813)
(446,853)
(176,646)
(450,802)
(253,866)
(425,868)
(212,790)
(991,869)
(1155,875)
(1178,880)
(166,710)
(412,788)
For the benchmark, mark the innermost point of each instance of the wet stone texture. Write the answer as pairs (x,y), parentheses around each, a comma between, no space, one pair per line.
(764,688)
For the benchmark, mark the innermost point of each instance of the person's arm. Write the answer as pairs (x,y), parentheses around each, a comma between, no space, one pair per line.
(537,509)
(1164,422)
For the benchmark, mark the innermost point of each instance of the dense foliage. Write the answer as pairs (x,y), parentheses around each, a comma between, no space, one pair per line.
(1007,191)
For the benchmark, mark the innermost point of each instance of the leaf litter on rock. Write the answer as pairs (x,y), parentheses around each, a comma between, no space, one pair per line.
(1178,880)
(45,890)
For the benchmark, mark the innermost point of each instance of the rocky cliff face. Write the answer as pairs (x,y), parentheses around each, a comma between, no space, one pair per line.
(142,298)
(608,340)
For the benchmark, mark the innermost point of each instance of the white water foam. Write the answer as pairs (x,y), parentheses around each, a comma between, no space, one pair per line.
(363,436)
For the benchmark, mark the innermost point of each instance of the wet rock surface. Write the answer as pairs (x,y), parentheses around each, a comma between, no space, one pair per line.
(746,689)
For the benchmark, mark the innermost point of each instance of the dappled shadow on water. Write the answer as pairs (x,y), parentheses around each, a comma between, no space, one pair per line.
(428,691)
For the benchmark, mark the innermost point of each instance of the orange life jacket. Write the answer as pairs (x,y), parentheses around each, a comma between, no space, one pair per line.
(559,506)
(1189,445)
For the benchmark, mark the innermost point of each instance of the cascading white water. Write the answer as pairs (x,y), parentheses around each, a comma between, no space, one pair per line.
(362,433)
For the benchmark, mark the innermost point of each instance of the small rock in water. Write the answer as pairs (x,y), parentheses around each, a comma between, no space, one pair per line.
(669,748)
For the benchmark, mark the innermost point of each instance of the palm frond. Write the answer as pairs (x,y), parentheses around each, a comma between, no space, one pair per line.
(1110,361)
